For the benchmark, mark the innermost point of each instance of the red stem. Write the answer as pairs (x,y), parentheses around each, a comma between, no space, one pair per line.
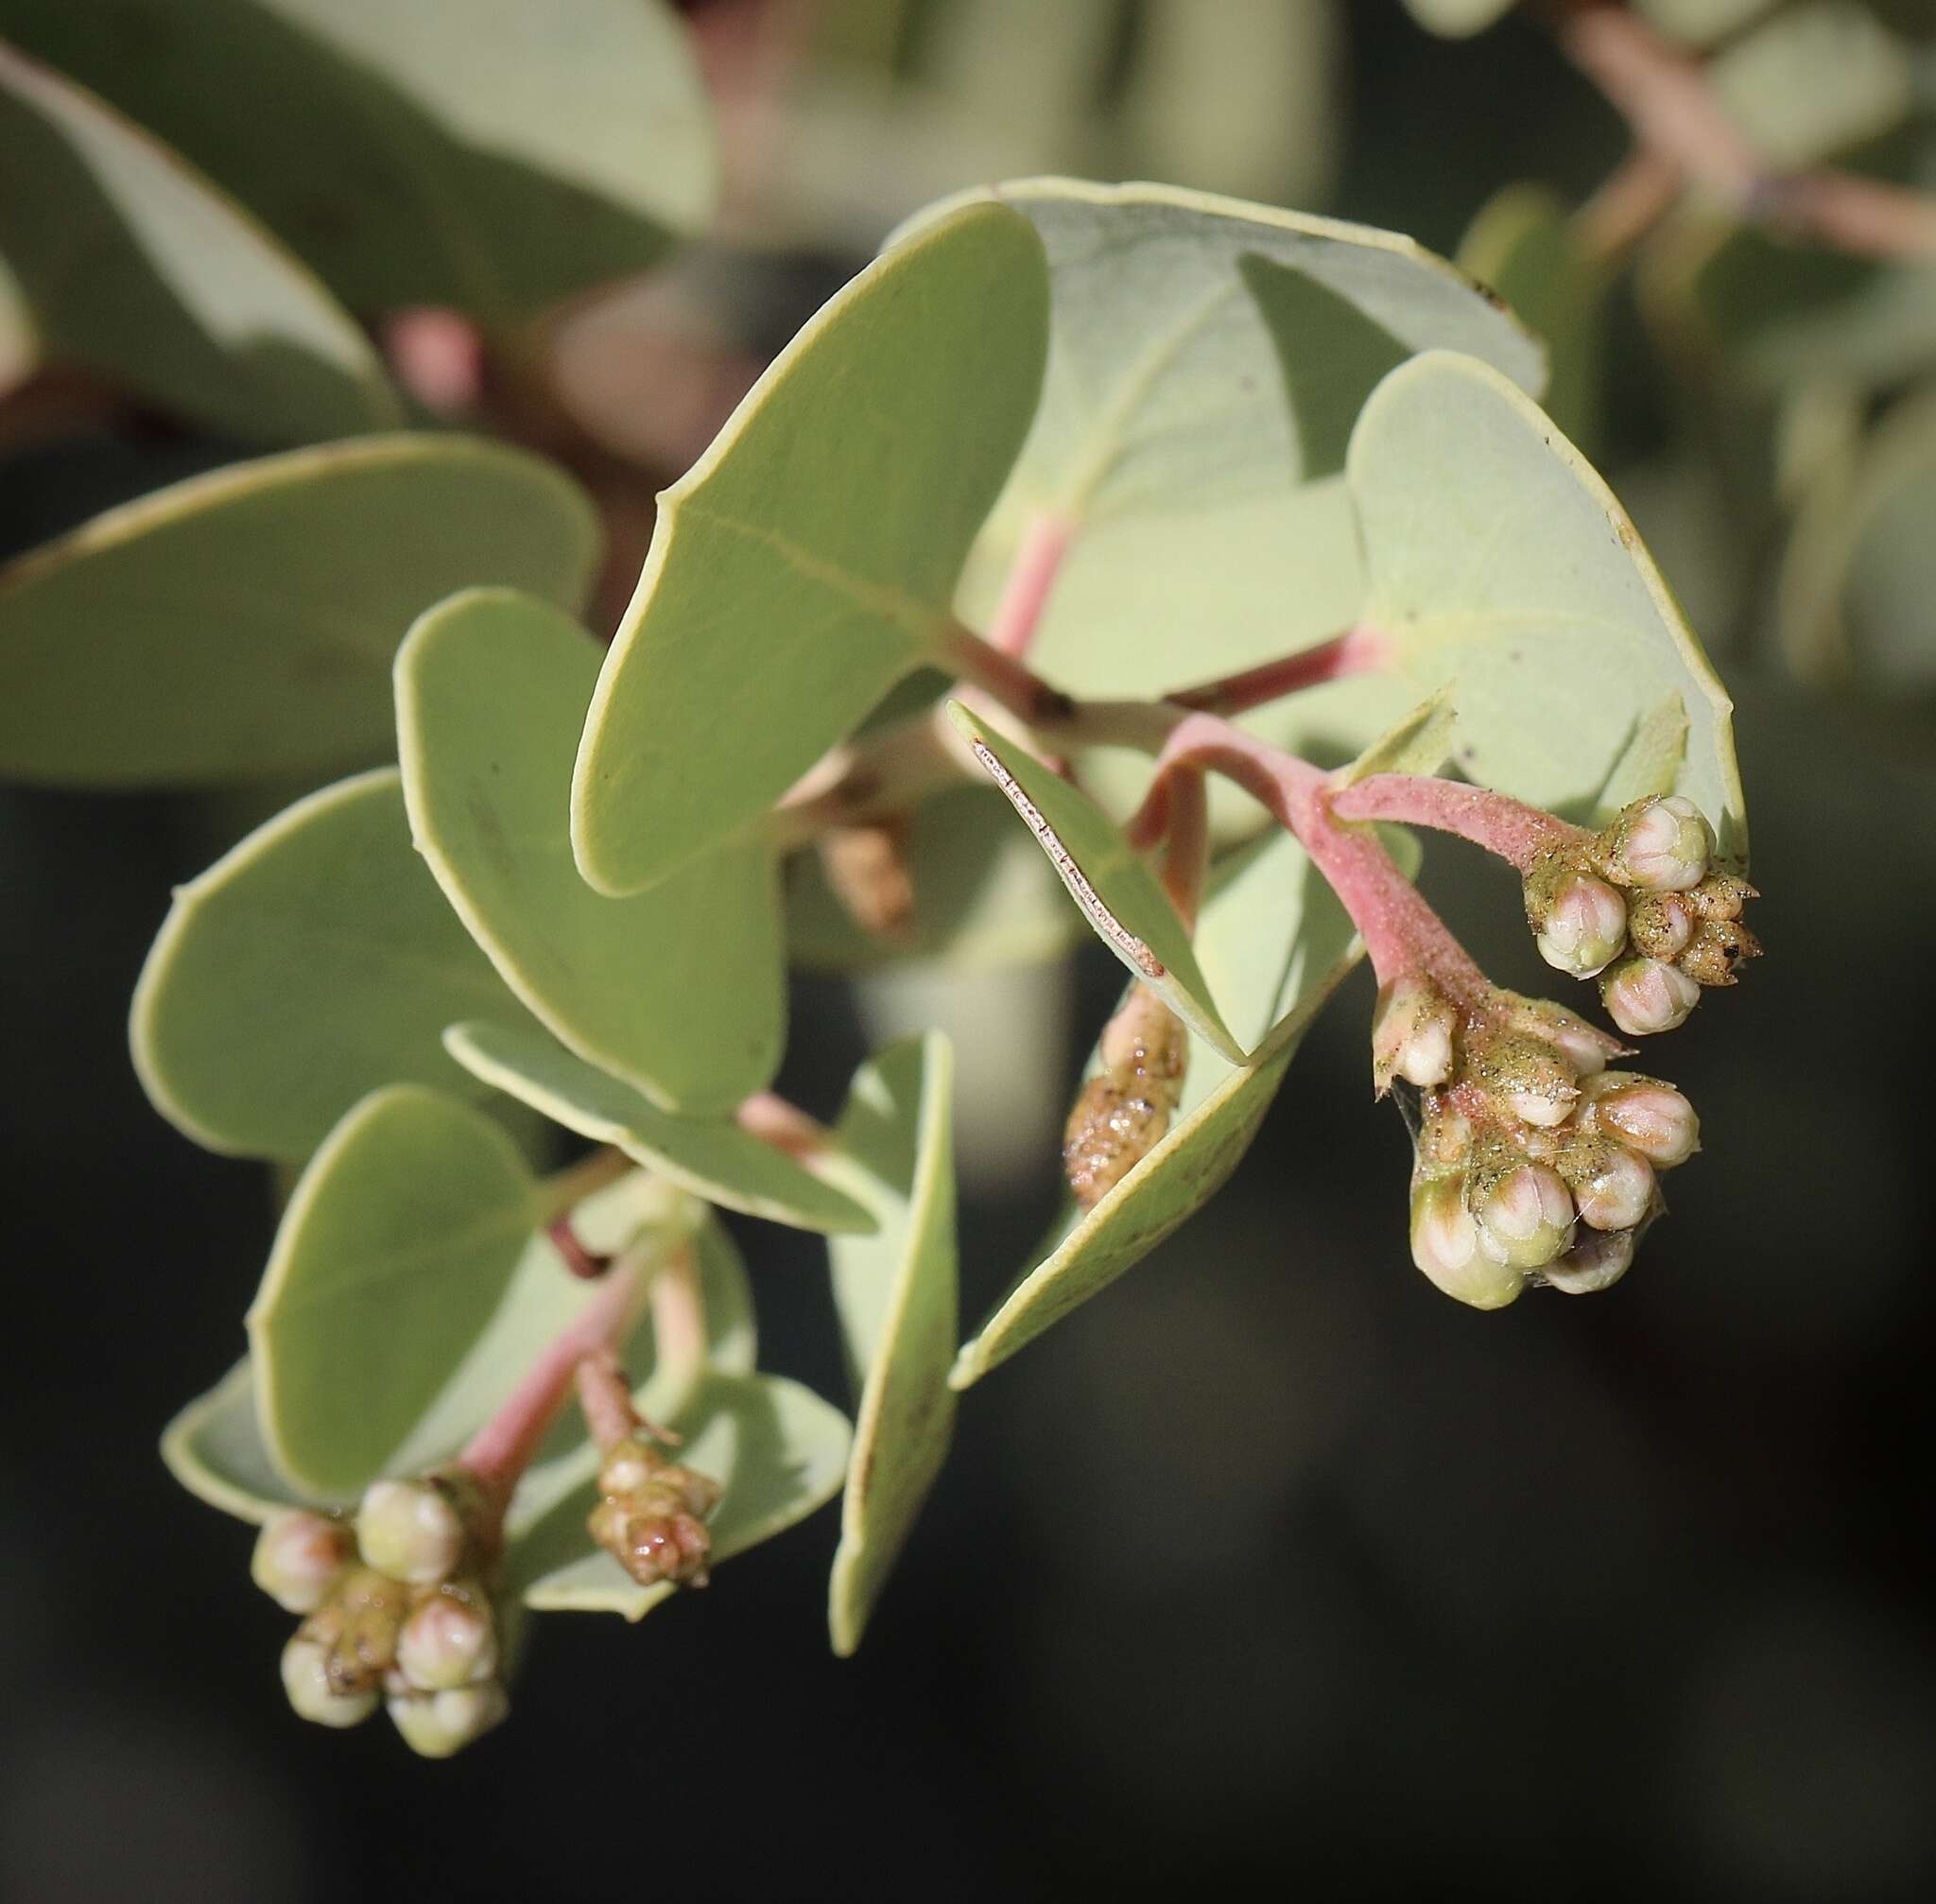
(1026,593)
(771,1118)
(1357,651)
(1517,833)
(1187,854)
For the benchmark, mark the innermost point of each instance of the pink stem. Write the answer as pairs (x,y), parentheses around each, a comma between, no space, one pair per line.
(501,1450)
(1026,593)
(1187,854)
(1357,651)
(605,1396)
(1011,682)
(1517,833)
(1402,933)
(771,1118)
(583,1263)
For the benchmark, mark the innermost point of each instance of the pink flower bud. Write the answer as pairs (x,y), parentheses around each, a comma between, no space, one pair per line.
(1647,1115)
(1525,1078)
(1584,1047)
(1413,1031)
(1597,1263)
(1660,925)
(1615,1190)
(297,1555)
(1446,1245)
(1644,997)
(435,1725)
(1662,844)
(1525,1217)
(1585,926)
(449,1641)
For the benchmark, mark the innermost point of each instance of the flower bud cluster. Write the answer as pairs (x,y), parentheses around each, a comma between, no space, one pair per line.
(1534,1162)
(1124,1110)
(1642,906)
(652,1516)
(397,1610)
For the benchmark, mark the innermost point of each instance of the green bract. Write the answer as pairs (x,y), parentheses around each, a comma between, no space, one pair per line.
(679,991)
(809,559)
(127,263)
(896,1294)
(312,963)
(1502,567)
(712,1158)
(392,1256)
(242,623)
(459,152)
(1107,877)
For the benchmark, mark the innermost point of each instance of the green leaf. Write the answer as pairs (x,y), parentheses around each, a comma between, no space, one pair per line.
(680,990)
(1457,19)
(214,1448)
(393,1256)
(809,559)
(1859,572)
(713,1157)
(457,152)
(1420,743)
(1649,763)
(312,963)
(1501,566)
(983,896)
(781,1453)
(1204,355)
(1697,22)
(1522,245)
(896,1293)
(1108,879)
(241,624)
(128,264)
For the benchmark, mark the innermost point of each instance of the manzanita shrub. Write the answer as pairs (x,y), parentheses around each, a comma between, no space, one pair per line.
(1115,556)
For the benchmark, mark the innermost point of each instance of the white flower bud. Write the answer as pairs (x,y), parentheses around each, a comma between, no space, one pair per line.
(1647,1115)
(1582,1044)
(1662,844)
(435,1725)
(1643,996)
(1413,1031)
(297,1555)
(1525,1078)
(1616,1188)
(1597,1263)
(1584,927)
(1446,1245)
(306,1679)
(1525,1217)
(449,1641)
(411,1530)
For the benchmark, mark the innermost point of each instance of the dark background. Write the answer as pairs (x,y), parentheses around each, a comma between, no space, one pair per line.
(1272,1567)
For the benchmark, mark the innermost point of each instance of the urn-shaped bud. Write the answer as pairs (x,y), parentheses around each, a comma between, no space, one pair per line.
(1525,1215)
(1582,923)
(1414,1028)
(1716,950)
(1525,1077)
(298,1555)
(1446,1245)
(312,1691)
(1660,923)
(1596,1262)
(1580,1042)
(1612,1185)
(1643,996)
(1662,843)
(450,1639)
(410,1529)
(435,1725)
(1646,1115)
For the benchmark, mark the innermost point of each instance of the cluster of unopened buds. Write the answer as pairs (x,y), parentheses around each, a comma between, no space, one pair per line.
(652,1515)
(397,1610)
(1536,1163)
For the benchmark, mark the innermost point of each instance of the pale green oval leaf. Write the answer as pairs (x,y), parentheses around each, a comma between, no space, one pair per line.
(241,624)
(214,1448)
(781,1453)
(896,1294)
(391,1260)
(1501,566)
(1109,880)
(713,1157)
(1649,763)
(312,963)
(809,559)
(680,990)
(457,153)
(983,896)
(130,264)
